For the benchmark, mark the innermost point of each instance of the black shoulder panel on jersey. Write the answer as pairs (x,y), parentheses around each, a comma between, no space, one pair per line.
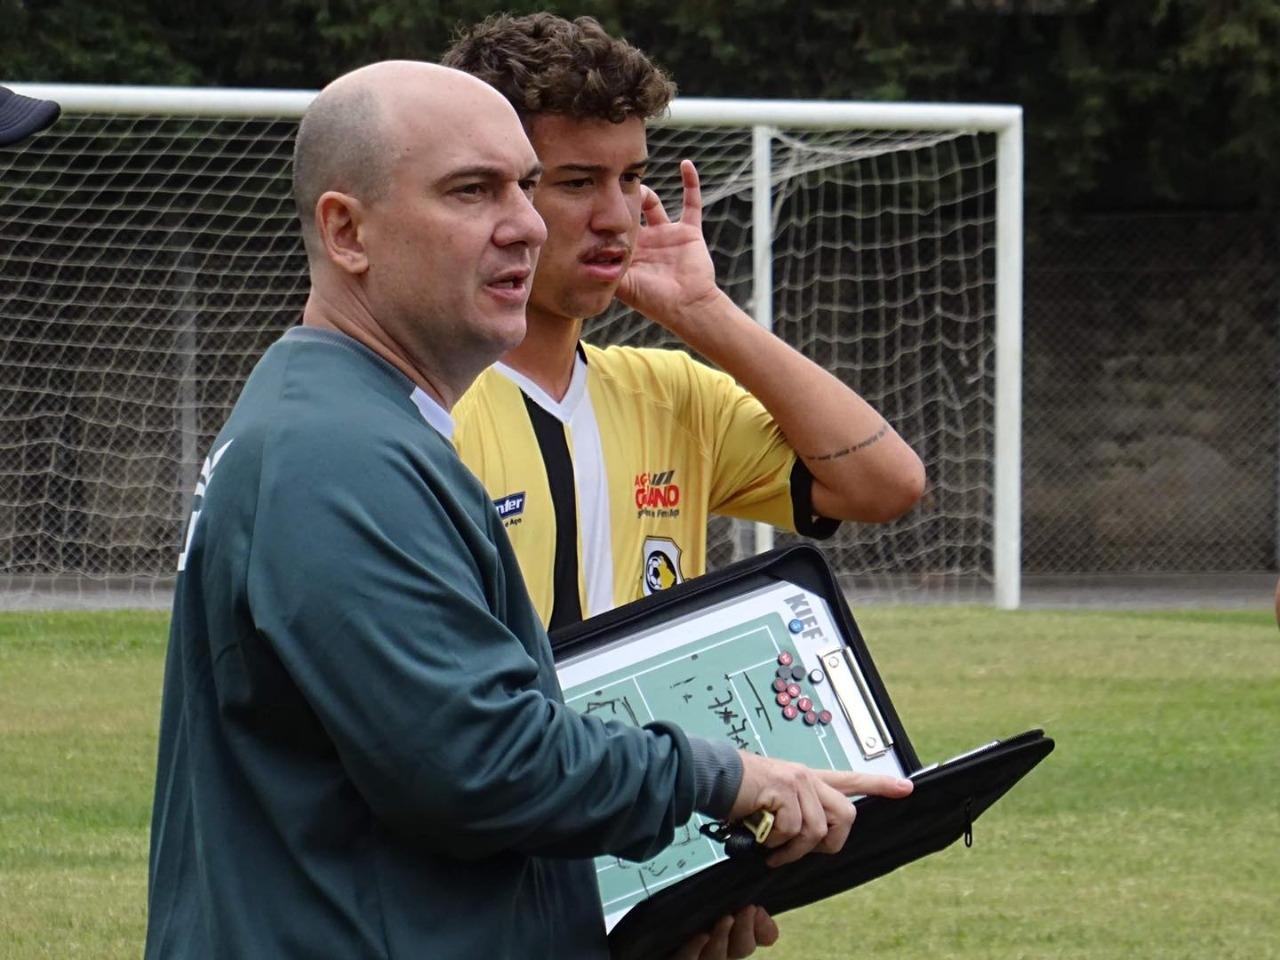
(566,608)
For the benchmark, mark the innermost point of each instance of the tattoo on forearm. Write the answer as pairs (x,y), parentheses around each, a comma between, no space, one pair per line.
(860,445)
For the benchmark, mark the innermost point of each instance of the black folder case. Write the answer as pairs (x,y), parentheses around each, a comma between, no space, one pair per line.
(887,834)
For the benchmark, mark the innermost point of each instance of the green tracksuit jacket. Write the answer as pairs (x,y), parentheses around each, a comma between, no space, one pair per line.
(363,749)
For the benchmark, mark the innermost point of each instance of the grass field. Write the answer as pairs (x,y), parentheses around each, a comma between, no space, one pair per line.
(1152,831)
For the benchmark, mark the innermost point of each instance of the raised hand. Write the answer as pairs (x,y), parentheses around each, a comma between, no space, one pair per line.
(671,276)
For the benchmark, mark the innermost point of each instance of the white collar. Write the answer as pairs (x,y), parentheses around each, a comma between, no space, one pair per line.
(562,410)
(435,415)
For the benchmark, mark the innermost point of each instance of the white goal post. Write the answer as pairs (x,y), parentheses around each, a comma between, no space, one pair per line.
(149,253)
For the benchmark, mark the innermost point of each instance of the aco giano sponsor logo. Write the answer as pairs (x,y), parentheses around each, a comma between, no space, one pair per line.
(510,507)
(657,494)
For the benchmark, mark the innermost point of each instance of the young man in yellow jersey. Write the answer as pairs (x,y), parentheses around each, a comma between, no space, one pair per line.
(605,464)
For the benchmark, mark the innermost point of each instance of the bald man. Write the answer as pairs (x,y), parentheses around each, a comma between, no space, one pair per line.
(363,747)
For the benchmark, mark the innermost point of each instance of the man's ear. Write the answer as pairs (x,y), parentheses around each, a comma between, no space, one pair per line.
(338,220)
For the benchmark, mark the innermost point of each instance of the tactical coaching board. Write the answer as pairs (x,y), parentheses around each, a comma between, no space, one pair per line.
(774,666)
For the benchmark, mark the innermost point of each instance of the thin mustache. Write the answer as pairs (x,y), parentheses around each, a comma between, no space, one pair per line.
(609,248)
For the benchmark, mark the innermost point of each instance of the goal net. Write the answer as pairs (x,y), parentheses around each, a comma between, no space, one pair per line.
(147,259)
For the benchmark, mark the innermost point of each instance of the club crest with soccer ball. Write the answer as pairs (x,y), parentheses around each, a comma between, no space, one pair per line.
(661,564)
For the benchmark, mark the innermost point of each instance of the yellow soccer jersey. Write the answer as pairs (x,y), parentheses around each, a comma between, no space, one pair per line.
(606,494)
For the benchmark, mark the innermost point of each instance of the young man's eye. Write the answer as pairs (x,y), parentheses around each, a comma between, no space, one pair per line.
(577,183)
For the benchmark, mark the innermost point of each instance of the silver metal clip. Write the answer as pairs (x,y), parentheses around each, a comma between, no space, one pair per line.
(855,699)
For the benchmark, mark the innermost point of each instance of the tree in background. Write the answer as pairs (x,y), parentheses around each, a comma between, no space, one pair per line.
(1145,104)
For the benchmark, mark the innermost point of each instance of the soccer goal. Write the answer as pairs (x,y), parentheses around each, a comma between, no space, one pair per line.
(149,253)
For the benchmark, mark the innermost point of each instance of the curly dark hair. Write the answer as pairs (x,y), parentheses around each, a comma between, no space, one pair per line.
(543,63)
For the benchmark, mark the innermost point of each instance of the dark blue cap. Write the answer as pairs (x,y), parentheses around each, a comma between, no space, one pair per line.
(21,116)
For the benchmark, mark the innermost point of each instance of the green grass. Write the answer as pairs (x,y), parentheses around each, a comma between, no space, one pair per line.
(79,698)
(1152,831)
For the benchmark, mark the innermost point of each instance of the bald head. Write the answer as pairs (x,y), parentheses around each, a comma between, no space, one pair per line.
(349,137)
(414,184)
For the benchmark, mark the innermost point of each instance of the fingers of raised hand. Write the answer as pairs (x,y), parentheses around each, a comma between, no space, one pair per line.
(651,208)
(692,211)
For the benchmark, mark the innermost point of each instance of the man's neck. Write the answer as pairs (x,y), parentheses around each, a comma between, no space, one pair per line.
(546,355)
(327,314)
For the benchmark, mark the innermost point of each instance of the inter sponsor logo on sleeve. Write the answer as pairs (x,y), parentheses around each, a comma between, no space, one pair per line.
(657,494)
(661,564)
(510,507)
